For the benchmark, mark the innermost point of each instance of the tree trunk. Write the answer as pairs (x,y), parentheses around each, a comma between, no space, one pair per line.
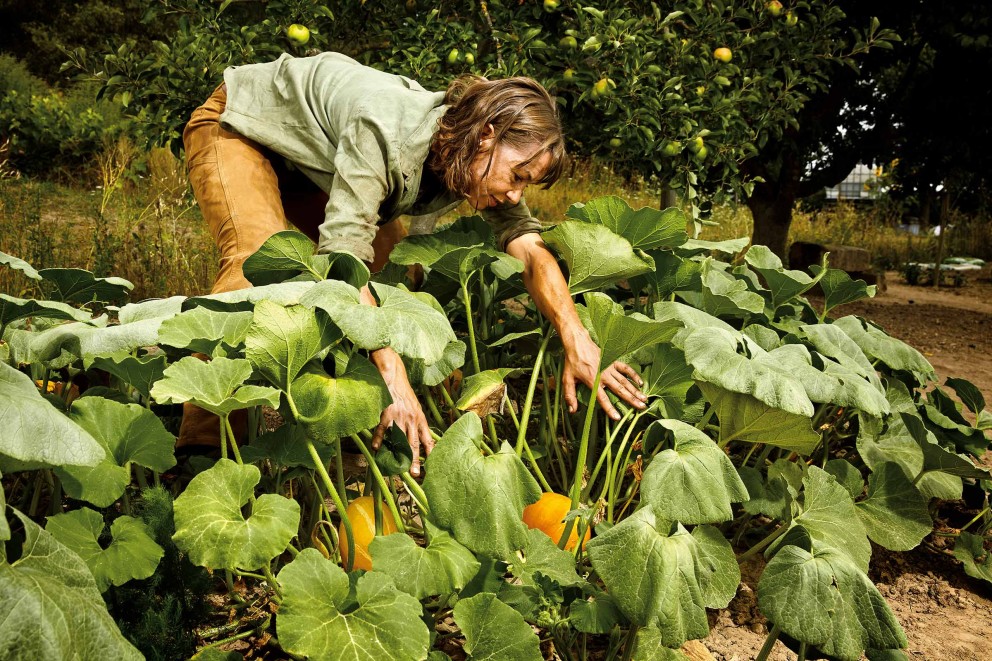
(772,212)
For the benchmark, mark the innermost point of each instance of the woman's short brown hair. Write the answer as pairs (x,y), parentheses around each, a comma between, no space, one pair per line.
(521,112)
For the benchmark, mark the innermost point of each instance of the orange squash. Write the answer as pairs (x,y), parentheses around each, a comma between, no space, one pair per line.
(361,513)
(547,515)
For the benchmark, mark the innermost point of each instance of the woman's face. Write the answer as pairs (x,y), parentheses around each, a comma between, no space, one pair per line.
(510,170)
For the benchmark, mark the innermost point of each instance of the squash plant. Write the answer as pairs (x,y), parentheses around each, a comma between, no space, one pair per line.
(771,428)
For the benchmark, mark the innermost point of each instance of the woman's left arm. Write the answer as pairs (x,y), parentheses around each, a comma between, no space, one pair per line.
(546,284)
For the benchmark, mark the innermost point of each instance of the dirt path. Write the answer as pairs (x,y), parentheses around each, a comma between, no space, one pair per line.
(946,615)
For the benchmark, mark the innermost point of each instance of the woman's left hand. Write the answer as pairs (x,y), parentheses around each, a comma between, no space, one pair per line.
(581,363)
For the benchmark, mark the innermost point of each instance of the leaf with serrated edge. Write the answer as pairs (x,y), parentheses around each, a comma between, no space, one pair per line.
(385,625)
(132,554)
(401,321)
(217,386)
(140,373)
(213,532)
(50,607)
(442,567)
(281,340)
(340,405)
(542,555)
(202,330)
(693,482)
(595,255)
(479,499)
(831,519)
(495,632)
(654,571)
(645,228)
(619,334)
(130,434)
(823,599)
(895,513)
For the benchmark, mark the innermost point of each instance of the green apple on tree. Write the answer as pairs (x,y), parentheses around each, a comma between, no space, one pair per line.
(696,144)
(774,7)
(569,75)
(453,56)
(672,148)
(568,42)
(615,143)
(550,5)
(791,18)
(298,34)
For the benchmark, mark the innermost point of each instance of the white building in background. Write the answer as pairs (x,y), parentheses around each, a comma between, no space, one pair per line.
(860,184)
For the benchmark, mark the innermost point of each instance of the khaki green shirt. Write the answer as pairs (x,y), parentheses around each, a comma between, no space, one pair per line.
(360,134)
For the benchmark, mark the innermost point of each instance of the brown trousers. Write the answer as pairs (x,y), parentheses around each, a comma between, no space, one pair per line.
(246,194)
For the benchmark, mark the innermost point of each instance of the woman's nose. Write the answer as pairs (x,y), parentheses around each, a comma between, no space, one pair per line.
(514,195)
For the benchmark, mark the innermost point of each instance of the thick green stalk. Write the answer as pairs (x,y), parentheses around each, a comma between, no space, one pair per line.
(580,461)
(380,482)
(760,546)
(339,470)
(432,406)
(766,649)
(337,503)
(471,327)
(417,493)
(529,399)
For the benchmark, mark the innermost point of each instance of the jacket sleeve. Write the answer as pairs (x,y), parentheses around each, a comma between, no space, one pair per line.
(360,185)
(509,221)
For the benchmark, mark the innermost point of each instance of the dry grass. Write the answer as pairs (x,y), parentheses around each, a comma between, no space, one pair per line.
(147,228)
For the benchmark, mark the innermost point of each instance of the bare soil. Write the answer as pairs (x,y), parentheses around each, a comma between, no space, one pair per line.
(946,615)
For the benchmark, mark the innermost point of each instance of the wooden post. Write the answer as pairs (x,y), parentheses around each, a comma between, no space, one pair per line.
(945,204)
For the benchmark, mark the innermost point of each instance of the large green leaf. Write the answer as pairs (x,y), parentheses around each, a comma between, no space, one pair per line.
(337,406)
(744,418)
(876,344)
(692,482)
(411,327)
(718,357)
(838,288)
(895,513)
(480,499)
(970,550)
(19,264)
(938,458)
(648,646)
(968,393)
(130,434)
(240,300)
(203,330)
(595,255)
(831,519)
(35,431)
(826,382)
(667,379)
(139,372)
(645,229)
(723,295)
(892,441)
(62,345)
(79,286)
(672,273)
(659,574)
(784,284)
(495,632)
(618,334)
(831,341)
(320,619)
(727,247)
(431,374)
(154,308)
(442,567)
(542,555)
(217,386)
(824,599)
(284,255)
(132,553)
(282,340)
(213,532)
(12,309)
(50,607)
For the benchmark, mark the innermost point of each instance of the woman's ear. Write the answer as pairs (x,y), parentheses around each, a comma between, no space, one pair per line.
(487,137)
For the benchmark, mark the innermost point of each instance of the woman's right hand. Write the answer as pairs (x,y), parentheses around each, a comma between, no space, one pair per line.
(405,411)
